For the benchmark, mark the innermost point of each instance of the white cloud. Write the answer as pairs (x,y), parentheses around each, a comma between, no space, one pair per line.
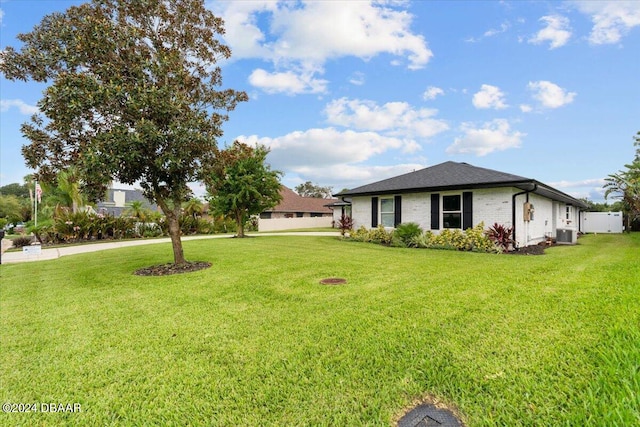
(591,189)
(1,16)
(306,34)
(334,157)
(491,136)
(525,108)
(489,97)
(317,148)
(346,175)
(493,31)
(550,95)
(392,118)
(431,93)
(22,106)
(557,31)
(357,79)
(287,82)
(611,19)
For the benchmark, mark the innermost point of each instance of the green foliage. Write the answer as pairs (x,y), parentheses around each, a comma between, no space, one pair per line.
(406,232)
(473,239)
(240,183)
(14,208)
(133,96)
(309,189)
(625,185)
(375,235)
(16,189)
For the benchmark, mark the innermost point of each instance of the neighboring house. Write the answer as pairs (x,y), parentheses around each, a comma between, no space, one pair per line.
(118,201)
(459,195)
(295,211)
(294,205)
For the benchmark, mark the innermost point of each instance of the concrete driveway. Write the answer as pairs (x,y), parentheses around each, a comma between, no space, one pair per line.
(54,253)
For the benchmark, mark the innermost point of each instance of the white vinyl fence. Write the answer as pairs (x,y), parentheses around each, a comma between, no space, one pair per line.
(601,222)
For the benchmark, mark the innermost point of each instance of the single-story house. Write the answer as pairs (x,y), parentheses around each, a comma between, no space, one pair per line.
(459,195)
(118,201)
(294,205)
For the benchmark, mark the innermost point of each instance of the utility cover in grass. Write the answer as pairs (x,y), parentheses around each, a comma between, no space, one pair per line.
(333,281)
(427,415)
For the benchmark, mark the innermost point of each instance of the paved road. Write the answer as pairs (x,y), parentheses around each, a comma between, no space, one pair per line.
(53,253)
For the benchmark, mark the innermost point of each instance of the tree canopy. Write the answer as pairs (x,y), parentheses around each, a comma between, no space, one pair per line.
(309,189)
(242,184)
(133,97)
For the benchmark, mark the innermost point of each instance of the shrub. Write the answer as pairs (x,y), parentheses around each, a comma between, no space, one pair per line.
(21,241)
(381,235)
(345,224)
(501,236)
(407,231)
(361,234)
(473,239)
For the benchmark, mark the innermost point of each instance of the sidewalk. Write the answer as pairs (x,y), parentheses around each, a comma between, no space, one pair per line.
(54,253)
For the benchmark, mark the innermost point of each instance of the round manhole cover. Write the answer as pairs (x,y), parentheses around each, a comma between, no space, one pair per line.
(428,415)
(333,281)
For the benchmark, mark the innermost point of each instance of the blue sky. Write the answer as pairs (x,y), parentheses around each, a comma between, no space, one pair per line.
(347,93)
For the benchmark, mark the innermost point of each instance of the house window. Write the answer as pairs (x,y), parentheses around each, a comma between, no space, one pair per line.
(299,214)
(316,215)
(265,215)
(568,213)
(387,213)
(288,215)
(452,211)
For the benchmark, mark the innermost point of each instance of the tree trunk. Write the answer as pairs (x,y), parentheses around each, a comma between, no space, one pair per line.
(174,230)
(240,224)
(176,242)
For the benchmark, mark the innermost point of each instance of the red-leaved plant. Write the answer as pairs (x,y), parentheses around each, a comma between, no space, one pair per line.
(501,236)
(345,223)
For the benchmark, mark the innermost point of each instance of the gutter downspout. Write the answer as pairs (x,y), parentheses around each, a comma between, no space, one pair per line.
(513,209)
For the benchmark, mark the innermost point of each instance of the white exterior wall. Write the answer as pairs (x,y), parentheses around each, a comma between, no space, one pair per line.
(277,224)
(491,205)
(361,212)
(541,226)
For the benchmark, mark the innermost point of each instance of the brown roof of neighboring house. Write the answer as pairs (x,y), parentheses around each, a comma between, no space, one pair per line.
(293,202)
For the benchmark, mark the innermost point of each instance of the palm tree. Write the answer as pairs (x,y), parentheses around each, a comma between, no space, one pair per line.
(136,209)
(626,187)
(193,207)
(69,188)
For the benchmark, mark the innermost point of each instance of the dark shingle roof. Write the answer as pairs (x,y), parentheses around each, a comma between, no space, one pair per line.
(442,176)
(455,176)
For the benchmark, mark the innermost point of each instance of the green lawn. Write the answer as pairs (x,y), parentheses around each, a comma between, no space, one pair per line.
(255,340)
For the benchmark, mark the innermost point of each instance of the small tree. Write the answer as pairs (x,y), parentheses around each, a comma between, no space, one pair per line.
(133,97)
(309,189)
(241,184)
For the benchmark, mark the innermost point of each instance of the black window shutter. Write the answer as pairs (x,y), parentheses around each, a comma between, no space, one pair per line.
(374,212)
(467,210)
(435,211)
(397,206)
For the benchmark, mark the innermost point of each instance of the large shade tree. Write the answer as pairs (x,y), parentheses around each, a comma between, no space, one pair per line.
(240,183)
(625,185)
(133,96)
